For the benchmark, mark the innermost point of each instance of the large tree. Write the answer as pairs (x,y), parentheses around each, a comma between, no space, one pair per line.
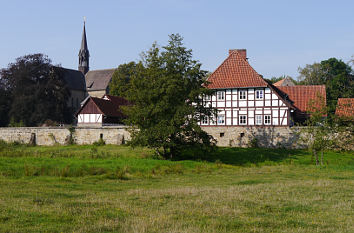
(121,77)
(37,92)
(165,91)
(335,74)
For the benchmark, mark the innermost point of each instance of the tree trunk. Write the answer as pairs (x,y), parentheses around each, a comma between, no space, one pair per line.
(316,157)
(321,158)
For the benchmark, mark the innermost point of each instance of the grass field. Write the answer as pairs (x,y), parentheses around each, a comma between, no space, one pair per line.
(119,189)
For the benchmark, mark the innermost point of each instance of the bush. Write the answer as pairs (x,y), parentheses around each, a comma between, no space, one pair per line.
(100,142)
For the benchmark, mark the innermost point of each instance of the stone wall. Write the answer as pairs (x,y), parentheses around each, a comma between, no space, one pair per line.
(225,136)
(58,135)
(269,137)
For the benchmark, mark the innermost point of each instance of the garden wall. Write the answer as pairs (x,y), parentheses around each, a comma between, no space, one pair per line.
(271,137)
(226,136)
(59,135)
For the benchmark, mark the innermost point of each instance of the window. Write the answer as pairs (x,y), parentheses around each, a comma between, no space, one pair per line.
(207,97)
(221,119)
(258,119)
(205,120)
(267,119)
(259,94)
(242,95)
(243,120)
(221,95)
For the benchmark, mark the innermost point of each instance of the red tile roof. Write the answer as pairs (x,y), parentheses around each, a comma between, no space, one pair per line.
(279,83)
(235,71)
(302,95)
(345,107)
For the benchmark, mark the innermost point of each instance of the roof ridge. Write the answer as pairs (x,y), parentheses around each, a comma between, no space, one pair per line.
(103,69)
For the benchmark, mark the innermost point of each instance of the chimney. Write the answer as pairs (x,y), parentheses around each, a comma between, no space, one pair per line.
(242,52)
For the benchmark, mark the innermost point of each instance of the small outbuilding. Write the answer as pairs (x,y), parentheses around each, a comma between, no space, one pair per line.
(100,112)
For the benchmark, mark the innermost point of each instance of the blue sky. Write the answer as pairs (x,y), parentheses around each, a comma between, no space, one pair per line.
(279,35)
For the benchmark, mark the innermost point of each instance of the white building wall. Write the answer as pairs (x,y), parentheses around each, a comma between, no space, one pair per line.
(248,102)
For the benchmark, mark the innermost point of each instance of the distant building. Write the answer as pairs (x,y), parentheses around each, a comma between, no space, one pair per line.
(75,82)
(284,82)
(97,81)
(101,111)
(345,108)
(243,98)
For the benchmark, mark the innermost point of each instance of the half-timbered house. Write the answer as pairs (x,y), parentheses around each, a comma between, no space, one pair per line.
(101,111)
(243,98)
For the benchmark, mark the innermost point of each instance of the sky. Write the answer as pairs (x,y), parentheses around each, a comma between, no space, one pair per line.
(280,36)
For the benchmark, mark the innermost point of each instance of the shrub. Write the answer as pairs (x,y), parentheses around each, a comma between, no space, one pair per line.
(100,142)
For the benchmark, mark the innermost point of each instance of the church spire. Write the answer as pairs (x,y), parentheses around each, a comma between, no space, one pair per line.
(84,53)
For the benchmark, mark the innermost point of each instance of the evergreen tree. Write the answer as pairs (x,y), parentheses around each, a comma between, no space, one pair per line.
(165,90)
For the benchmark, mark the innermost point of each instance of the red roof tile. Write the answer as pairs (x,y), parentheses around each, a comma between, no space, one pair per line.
(302,95)
(279,83)
(345,107)
(235,71)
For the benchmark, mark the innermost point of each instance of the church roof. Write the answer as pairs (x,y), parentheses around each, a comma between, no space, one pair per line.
(84,47)
(97,80)
(74,79)
(235,71)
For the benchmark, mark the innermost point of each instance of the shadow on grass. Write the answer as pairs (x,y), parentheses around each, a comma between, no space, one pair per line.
(244,156)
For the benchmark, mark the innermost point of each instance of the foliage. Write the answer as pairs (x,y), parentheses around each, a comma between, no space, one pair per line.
(122,76)
(318,129)
(335,74)
(36,90)
(166,88)
(100,142)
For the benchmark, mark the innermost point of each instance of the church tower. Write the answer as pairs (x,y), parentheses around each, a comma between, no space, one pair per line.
(84,54)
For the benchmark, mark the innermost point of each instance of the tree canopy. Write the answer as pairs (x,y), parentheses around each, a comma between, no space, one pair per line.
(34,91)
(335,74)
(166,89)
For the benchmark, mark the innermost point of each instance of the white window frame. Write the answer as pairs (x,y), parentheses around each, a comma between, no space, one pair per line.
(221,95)
(266,120)
(243,93)
(207,98)
(259,119)
(240,119)
(259,94)
(221,119)
(205,120)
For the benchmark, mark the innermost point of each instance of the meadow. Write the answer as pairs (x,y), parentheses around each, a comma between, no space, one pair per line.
(121,189)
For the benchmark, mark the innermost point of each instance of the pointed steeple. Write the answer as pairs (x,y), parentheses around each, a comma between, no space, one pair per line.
(84,53)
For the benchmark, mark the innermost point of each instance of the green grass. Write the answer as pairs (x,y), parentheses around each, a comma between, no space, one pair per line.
(120,189)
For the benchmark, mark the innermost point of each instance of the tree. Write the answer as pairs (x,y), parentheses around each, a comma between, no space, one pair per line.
(166,90)
(317,132)
(37,91)
(121,78)
(335,74)
(5,101)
